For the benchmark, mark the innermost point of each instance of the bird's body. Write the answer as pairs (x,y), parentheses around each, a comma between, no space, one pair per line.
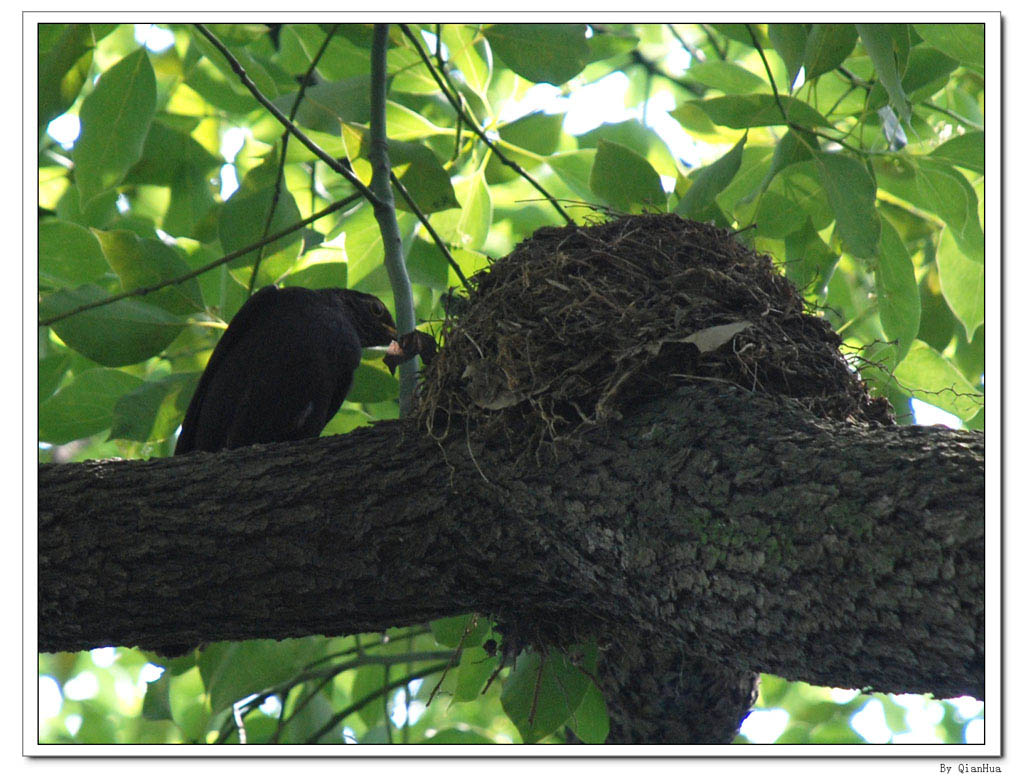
(283,367)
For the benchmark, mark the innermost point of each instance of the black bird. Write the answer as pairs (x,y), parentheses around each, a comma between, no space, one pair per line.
(283,367)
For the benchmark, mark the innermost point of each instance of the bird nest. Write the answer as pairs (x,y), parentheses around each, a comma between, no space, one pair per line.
(580,322)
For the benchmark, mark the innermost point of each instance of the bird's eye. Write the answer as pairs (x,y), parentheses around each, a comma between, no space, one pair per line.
(378,309)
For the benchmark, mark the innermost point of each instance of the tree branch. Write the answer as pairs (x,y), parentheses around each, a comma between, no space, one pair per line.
(145,290)
(457,105)
(284,150)
(304,139)
(721,524)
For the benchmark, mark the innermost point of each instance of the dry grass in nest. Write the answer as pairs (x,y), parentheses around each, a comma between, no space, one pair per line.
(578,322)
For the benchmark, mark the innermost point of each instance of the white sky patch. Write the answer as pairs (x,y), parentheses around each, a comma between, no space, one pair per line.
(50,698)
(869,722)
(82,686)
(150,673)
(843,695)
(154,38)
(230,145)
(65,129)
(73,723)
(103,656)
(926,414)
(765,726)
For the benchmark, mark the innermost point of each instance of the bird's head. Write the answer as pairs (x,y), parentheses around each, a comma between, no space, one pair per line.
(370,316)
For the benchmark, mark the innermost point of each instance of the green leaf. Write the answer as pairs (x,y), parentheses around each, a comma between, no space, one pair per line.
(551,53)
(462,630)
(457,736)
(169,152)
(541,693)
(809,262)
(233,670)
(63,68)
(760,110)
(575,169)
(927,72)
(965,42)
(238,34)
(369,680)
(69,254)
(156,704)
(710,181)
(371,384)
(899,302)
(881,47)
(475,668)
(149,412)
(948,194)
(115,121)
(625,180)
(462,42)
(467,227)
(117,334)
(84,406)
(537,132)
(426,179)
(963,283)
(325,106)
(965,151)
(143,262)
(642,140)
(726,76)
(790,41)
(242,222)
(929,376)
(851,194)
(404,124)
(827,46)
(590,720)
(777,216)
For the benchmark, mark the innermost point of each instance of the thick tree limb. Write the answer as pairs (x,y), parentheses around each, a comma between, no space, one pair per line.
(718,524)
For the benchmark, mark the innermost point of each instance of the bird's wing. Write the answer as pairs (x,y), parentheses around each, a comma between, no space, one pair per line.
(254,311)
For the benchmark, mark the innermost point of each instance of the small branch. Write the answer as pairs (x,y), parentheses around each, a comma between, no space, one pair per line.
(438,241)
(358,705)
(139,291)
(305,140)
(719,51)
(284,151)
(457,105)
(384,210)
(653,70)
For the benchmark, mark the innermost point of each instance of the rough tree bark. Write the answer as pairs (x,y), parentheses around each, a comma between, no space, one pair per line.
(715,531)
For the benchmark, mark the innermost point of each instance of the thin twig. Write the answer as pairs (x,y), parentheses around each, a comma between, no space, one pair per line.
(139,291)
(438,241)
(457,105)
(334,164)
(284,151)
(358,705)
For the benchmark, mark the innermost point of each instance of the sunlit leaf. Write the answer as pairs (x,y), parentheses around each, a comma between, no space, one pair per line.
(899,303)
(551,53)
(625,180)
(926,374)
(827,46)
(115,121)
(760,110)
(963,283)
